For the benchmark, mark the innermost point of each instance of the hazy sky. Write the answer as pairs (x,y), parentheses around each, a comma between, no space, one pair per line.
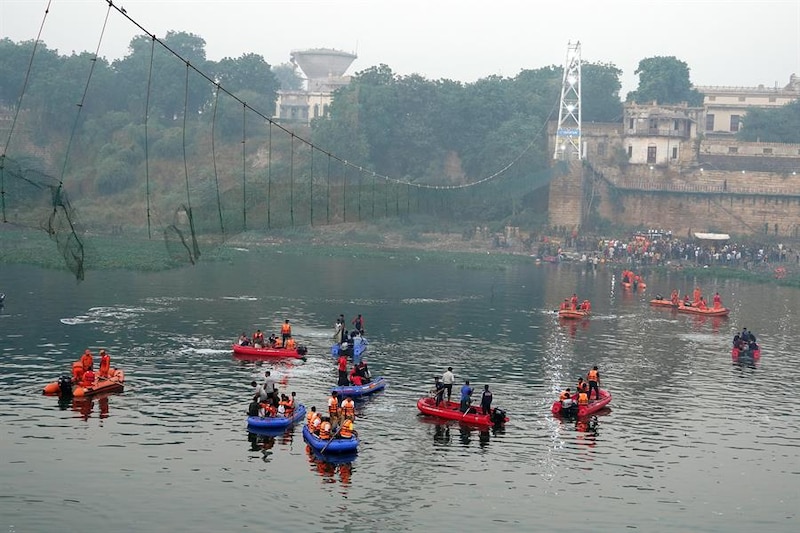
(724,42)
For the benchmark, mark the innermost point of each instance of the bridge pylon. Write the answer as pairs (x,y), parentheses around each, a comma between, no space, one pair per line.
(568,133)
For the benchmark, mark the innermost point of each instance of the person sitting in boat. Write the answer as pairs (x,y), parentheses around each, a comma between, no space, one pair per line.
(356,380)
(272,339)
(311,419)
(564,394)
(87,360)
(88,378)
(564,305)
(258,339)
(348,408)
(736,339)
(291,344)
(243,340)
(278,343)
(290,403)
(586,306)
(583,398)
(283,405)
(573,302)
(686,302)
(325,428)
(105,364)
(466,396)
(347,430)
(569,407)
(702,304)
(363,371)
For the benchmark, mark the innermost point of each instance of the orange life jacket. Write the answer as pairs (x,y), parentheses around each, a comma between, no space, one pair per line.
(286,329)
(592,375)
(290,343)
(583,399)
(289,407)
(310,417)
(88,379)
(77,372)
(325,431)
(348,408)
(278,343)
(583,387)
(105,365)
(564,395)
(347,429)
(333,406)
(87,361)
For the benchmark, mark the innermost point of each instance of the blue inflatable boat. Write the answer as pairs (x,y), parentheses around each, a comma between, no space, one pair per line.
(277,422)
(330,446)
(356,391)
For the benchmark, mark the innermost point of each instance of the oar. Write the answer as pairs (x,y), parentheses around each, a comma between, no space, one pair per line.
(331,439)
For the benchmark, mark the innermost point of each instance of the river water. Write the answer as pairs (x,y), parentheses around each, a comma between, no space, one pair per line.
(691,442)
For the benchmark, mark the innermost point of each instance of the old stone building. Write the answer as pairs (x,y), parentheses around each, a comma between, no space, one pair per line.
(660,168)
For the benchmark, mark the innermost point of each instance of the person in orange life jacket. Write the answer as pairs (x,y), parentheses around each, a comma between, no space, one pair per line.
(702,304)
(696,295)
(290,403)
(286,331)
(564,305)
(346,431)
(348,408)
(88,378)
(77,372)
(278,343)
(258,339)
(586,305)
(486,400)
(283,405)
(583,398)
(291,344)
(573,302)
(717,301)
(87,360)
(342,367)
(311,418)
(333,407)
(105,364)
(582,386)
(674,297)
(593,377)
(564,395)
(325,428)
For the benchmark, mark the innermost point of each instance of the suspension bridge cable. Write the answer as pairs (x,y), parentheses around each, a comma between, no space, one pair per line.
(214,158)
(244,168)
(146,141)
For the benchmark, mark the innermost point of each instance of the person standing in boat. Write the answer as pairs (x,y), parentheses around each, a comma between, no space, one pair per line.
(466,396)
(486,400)
(333,407)
(717,301)
(105,364)
(582,386)
(342,367)
(593,377)
(358,324)
(674,298)
(448,378)
(286,331)
(338,333)
(87,361)
(438,390)
(270,388)
(348,408)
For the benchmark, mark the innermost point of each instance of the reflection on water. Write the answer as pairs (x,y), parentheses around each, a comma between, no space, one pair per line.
(686,445)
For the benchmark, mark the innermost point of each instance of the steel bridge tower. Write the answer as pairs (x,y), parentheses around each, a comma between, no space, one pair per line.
(568,133)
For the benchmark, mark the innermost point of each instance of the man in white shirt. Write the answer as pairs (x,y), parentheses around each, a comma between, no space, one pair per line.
(448,378)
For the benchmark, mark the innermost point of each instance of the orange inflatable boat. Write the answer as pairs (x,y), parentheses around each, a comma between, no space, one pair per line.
(113,383)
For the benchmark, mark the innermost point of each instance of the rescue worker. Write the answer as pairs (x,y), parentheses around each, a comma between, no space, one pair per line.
(87,360)
(564,395)
(582,386)
(717,301)
(583,398)
(325,429)
(286,331)
(674,297)
(342,367)
(311,417)
(291,344)
(333,407)
(290,403)
(258,339)
(593,377)
(77,372)
(348,409)
(88,378)
(346,431)
(105,364)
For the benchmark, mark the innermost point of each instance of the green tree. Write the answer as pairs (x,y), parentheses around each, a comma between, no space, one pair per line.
(600,86)
(287,76)
(250,72)
(664,80)
(781,125)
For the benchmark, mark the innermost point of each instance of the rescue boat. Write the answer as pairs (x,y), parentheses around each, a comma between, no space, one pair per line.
(585,410)
(660,302)
(573,313)
(452,411)
(113,383)
(277,422)
(376,384)
(709,311)
(251,352)
(335,445)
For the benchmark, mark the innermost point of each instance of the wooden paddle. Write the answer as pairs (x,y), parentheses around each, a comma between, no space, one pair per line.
(331,439)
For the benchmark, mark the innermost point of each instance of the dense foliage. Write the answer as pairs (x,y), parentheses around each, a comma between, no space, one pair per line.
(664,80)
(781,125)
